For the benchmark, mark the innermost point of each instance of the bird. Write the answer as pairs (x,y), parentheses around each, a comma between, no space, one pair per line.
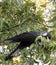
(25,39)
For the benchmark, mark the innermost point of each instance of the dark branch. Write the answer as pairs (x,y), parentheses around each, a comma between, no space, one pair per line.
(14,26)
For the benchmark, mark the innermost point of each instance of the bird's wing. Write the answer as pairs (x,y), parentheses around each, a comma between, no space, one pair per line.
(27,36)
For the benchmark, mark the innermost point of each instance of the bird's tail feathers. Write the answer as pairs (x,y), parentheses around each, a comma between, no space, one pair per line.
(8,57)
(12,54)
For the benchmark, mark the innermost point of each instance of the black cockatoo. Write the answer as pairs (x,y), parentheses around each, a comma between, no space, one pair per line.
(25,39)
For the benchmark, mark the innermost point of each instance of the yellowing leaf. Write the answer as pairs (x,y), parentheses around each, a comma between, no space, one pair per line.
(41,2)
(17,60)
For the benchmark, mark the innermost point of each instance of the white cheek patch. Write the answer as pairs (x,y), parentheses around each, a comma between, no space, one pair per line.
(44,34)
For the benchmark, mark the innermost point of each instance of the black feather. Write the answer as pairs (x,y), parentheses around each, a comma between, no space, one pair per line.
(25,39)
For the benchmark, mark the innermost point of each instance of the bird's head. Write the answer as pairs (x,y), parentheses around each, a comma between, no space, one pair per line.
(47,35)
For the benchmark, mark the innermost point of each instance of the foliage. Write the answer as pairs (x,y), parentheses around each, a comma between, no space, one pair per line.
(17,16)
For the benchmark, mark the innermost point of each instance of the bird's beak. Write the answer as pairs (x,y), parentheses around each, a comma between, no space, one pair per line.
(48,39)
